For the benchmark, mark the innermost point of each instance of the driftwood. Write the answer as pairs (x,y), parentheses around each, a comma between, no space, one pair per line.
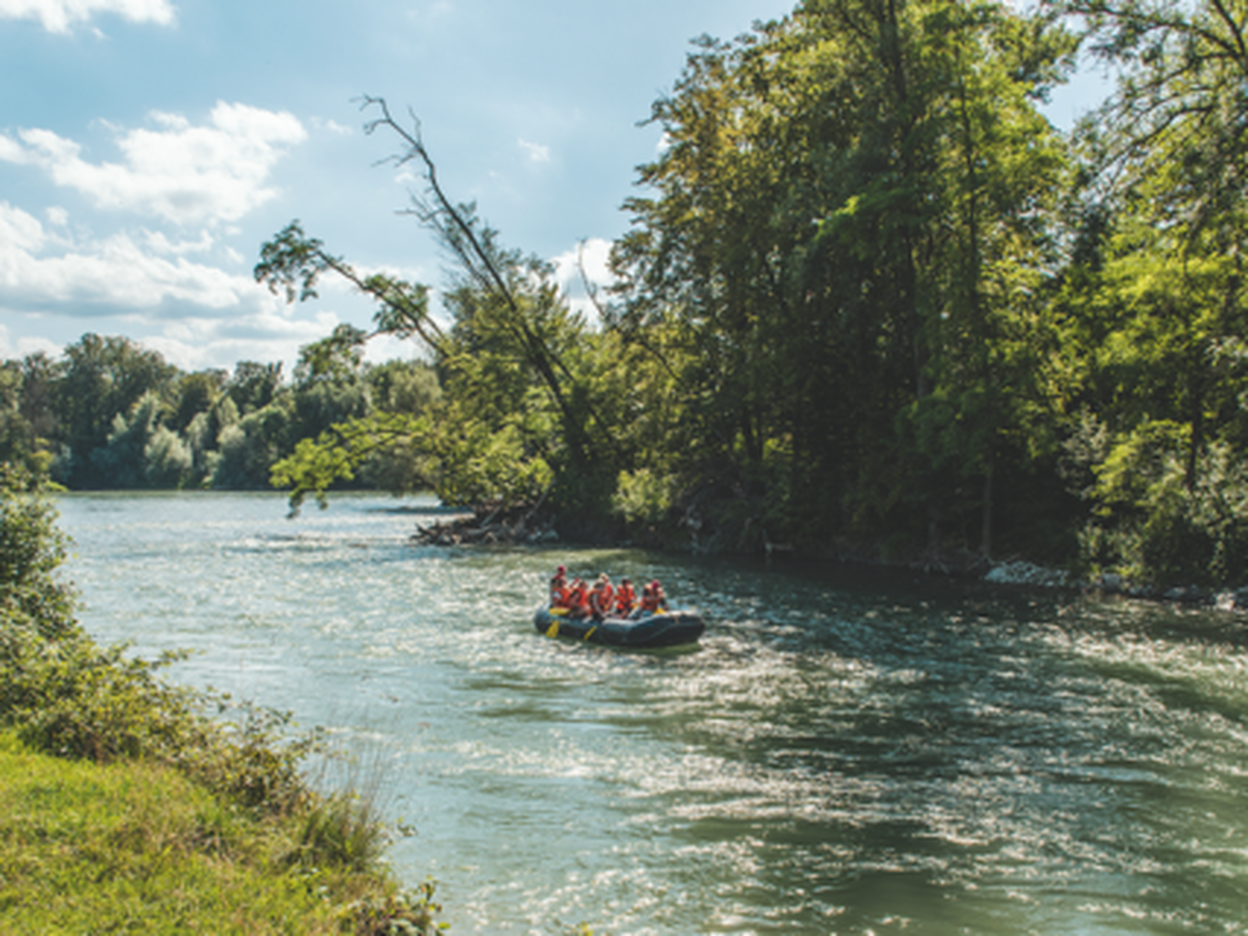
(515,526)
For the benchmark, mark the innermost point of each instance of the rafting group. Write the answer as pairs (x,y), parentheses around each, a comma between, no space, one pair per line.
(603,600)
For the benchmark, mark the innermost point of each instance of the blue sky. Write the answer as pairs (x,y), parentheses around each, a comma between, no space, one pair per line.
(148,148)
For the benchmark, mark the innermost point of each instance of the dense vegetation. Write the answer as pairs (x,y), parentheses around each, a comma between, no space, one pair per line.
(871,303)
(133,804)
(112,415)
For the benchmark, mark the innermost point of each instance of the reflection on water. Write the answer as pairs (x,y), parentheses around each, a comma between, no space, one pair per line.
(849,751)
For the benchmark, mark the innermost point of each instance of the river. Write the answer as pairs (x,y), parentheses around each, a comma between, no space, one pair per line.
(849,750)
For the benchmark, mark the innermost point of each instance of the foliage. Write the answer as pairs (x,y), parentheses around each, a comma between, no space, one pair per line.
(402,914)
(32,600)
(66,695)
(515,409)
(85,848)
(846,223)
(205,820)
(642,497)
(100,379)
(145,424)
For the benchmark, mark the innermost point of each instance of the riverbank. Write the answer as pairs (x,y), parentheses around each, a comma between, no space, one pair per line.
(527,527)
(132,803)
(136,846)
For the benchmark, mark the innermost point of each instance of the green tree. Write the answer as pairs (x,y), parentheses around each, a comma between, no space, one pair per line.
(249,448)
(142,451)
(849,216)
(254,386)
(31,550)
(1162,315)
(17,438)
(102,378)
(196,393)
(510,390)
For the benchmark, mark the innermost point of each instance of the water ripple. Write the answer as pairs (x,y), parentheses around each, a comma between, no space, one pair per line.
(849,751)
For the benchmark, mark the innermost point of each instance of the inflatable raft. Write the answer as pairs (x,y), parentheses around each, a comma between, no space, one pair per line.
(664,629)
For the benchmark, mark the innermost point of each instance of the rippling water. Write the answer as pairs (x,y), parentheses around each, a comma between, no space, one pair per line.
(848,752)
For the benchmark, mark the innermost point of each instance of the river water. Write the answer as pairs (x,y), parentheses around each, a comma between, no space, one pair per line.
(848,751)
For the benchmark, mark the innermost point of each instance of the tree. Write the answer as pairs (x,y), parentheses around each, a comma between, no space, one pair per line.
(504,361)
(254,386)
(1165,310)
(31,549)
(103,377)
(17,441)
(196,393)
(850,213)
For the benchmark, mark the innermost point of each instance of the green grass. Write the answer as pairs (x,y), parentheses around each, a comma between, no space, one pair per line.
(126,808)
(135,847)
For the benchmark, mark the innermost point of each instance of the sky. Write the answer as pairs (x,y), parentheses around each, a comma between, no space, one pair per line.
(149,147)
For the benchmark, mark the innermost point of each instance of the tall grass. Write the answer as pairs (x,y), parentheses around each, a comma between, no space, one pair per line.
(160,815)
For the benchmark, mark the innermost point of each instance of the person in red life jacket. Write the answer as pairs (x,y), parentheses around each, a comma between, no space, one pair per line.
(647,604)
(601,598)
(578,600)
(625,598)
(652,598)
(559,588)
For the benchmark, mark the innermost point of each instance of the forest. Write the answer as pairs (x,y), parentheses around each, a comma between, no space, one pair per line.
(871,304)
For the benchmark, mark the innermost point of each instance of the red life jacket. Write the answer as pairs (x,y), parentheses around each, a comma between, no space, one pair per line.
(600,599)
(558,595)
(625,598)
(649,600)
(576,600)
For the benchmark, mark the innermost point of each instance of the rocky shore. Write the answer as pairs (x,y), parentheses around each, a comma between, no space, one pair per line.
(1027,573)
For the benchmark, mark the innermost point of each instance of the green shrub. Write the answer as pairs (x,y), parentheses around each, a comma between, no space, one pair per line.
(412,914)
(238,766)
(343,829)
(1154,523)
(642,496)
(31,549)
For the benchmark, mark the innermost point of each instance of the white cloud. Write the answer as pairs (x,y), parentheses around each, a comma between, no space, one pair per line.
(19,348)
(592,254)
(39,271)
(179,172)
(194,314)
(57,15)
(19,233)
(268,335)
(158,243)
(536,151)
(330,125)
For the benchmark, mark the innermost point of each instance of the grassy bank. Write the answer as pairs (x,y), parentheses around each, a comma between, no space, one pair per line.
(137,847)
(133,805)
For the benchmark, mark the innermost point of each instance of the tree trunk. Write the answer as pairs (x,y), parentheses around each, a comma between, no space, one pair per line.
(985,533)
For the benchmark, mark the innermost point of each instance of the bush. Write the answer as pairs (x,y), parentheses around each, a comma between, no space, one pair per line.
(1154,524)
(62,694)
(31,549)
(643,497)
(395,914)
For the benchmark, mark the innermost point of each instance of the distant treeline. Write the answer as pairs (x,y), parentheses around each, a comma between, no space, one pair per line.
(110,414)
